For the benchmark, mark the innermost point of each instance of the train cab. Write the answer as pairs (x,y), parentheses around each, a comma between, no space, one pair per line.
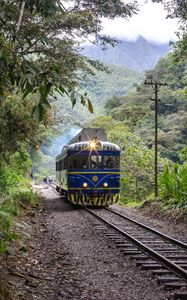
(88,173)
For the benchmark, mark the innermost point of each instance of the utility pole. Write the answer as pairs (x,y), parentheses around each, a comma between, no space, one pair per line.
(156,86)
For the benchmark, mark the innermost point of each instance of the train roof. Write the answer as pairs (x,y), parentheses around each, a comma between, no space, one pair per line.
(87,134)
(86,146)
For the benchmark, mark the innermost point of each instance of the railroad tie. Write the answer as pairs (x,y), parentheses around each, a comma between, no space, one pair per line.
(175,285)
(123,245)
(153,266)
(131,251)
(148,261)
(179,296)
(140,257)
(176,257)
(167,279)
(160,272)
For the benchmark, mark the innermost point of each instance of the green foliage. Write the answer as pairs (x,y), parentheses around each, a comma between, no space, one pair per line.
(181,45)
(116,82)
(137,161)
(108,123)
(178,9)
(17,125)
(183,154)
(6,235)
(112,103)
(14,206)
(27,197)
(137,166)
(38,49)
(19,200)
(99,88)
(9,178)
(137,111)
(13,172)
(131,122)
(173,184)
(131,114)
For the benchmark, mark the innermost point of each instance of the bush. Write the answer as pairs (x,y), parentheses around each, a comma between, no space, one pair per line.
(12,206)
(26,198)
(173,184)
(20,200)
(6,234)
(13,171)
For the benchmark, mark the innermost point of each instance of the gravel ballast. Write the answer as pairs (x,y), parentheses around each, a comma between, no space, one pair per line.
(71,259)
(175,228)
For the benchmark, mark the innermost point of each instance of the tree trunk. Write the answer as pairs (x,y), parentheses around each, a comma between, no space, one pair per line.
(20,15)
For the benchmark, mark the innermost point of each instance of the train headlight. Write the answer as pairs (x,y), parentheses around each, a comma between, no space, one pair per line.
(105,184)
(92,145)
(85,184)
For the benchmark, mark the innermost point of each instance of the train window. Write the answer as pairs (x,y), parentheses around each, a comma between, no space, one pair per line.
(95,162)
(61,165)
(74,164)
(78,162)
(58,166)
(82,162)
(65,163)
(111,162)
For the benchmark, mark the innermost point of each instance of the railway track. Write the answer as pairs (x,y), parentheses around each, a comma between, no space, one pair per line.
(162,255)
(52,185)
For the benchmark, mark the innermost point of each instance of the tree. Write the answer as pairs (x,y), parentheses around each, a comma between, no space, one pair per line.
(175,8)
(178,9)
(17,126)
(137,161)
(39,44)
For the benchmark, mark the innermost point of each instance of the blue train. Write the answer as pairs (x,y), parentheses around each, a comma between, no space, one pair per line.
(88,173)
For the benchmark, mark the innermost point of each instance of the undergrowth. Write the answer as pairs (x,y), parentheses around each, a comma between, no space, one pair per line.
(16,195)
(13,206)
(173,191)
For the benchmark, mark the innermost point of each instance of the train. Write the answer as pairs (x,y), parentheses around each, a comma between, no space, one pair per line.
(88,173)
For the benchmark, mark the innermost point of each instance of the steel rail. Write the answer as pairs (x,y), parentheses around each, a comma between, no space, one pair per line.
(169,238)
(53,187)
(166,262)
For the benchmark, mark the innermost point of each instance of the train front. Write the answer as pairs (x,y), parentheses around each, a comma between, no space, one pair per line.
(93,173)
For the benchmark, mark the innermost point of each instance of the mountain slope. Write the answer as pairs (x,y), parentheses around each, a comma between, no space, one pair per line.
(137,111)
(103,86)
(100,88)
(139,55)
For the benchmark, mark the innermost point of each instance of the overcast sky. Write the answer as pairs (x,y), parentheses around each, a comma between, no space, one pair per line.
(150,22)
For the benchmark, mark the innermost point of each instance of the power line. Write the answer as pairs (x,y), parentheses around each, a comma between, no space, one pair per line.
(156,86)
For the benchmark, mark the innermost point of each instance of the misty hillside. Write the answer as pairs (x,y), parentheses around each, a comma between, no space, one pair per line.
(139,55)
(117,82)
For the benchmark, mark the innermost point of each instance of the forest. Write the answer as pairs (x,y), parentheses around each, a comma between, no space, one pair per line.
(47,86)
(129,121)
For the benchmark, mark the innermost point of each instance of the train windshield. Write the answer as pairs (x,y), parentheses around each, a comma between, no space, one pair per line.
(93,161)
(110,162)
(85,162)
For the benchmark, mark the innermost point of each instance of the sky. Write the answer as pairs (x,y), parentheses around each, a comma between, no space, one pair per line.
(150,22)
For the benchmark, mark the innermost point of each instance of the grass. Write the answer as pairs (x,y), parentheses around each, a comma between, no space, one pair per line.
(130,202)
